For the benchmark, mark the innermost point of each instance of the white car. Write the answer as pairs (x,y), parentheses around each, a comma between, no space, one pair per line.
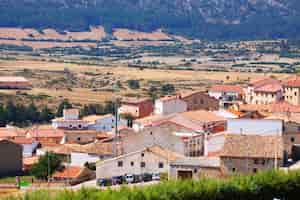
(155,177)
(129,178)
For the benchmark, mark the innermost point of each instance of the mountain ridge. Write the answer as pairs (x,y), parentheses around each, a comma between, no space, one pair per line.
(205,19)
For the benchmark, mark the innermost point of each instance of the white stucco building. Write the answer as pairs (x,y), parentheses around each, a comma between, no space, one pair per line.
(169,104)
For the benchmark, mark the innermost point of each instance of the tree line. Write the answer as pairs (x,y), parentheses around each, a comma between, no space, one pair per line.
(26,115)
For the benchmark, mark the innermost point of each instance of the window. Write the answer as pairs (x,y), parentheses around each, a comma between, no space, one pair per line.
(120,163)
(143,164)
(79,126)
(132,163)
(142,154)
(78,139)
(233,169)
(254,170)
(151,133)
(160,165)
(70,126)
(292,139)
(195,170)
(256,161)
(295,93)
(298,128)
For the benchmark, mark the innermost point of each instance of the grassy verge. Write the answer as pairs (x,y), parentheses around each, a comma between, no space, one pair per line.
(263,186)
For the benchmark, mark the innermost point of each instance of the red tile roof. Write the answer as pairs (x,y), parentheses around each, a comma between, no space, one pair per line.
(68,172)
(252,146)
(277,107)
(271,88)
(262,82)
(292,81)
(44,132)
(227,88)
(23,140)
(169,98)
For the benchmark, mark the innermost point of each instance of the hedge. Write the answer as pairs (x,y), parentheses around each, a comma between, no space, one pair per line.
(262,186)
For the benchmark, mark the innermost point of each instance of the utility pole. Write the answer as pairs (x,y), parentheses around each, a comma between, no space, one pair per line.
(116,89)
(276,150)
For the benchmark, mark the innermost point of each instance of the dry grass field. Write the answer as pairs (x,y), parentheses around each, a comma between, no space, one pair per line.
(183,80)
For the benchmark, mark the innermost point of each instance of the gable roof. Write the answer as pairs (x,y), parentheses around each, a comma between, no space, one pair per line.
(293,81)
(276,107)
(202,116)
(269,88)
(227,88)
(264,81)
(69,172)
(252,146)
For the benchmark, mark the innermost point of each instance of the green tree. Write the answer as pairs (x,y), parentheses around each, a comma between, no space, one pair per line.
(32,113)
(133,84)
(46,115)
(167,89)
(65,104)
(46,166)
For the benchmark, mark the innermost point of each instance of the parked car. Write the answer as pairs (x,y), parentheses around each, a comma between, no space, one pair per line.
(104,182)
(147,177)
(129,178)
(117,180)
(156,177)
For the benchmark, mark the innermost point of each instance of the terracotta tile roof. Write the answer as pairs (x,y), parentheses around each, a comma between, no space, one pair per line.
(94,118)
(201,115)
(277,107)
(252,146)
(271,88)
(68,172)
(227,88)
(29,161)
(62,149)
(293,81)
(12,79)
(44,132)
(83,132)
(23,140)
(187,94)
(12,132)
(169,98)
(133,100)
(163,152)
(98,148)
(262,82)
(287,117)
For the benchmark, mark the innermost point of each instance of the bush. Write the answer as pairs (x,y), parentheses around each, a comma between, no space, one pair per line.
(133,84)
(262,186)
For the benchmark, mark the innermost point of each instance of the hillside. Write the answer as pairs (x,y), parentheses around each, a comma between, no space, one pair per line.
(208,19)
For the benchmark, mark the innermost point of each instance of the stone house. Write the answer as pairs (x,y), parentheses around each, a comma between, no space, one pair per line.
(154,159)
(199,101)
(195,168)
(243,154)
(185,140)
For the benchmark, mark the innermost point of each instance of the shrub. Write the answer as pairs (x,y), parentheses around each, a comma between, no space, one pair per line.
(262,186)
